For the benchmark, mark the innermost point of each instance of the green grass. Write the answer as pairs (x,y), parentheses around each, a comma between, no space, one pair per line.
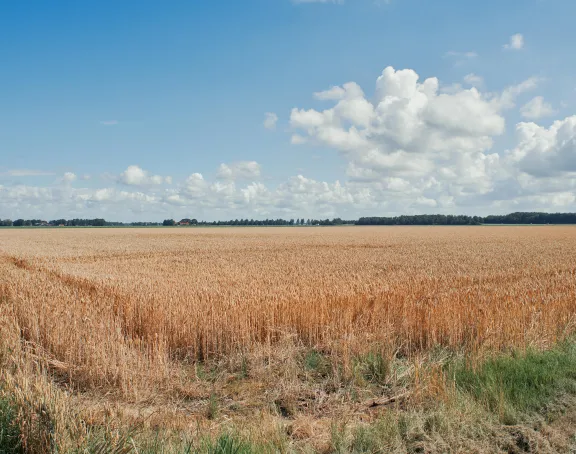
(372,367)
(10,442)
(227,444)
(519,383)
(104,442)
(380,437)
(317,364)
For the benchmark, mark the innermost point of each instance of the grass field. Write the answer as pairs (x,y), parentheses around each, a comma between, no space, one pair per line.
(350,339)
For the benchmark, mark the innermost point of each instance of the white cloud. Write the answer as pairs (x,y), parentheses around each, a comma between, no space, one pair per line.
(473,79)
(334,93)
(109,122)
(537,108)
(136,176)
(297,139)
(270,120)
(69,177)
(239,170)
(546,152)
(418,140)
(516,42)
(406,128)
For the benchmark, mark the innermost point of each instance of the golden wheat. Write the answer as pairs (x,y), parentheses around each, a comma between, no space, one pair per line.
(126,308)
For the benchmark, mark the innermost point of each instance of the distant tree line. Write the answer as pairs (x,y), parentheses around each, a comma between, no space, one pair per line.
(421,219)
(260,222)
(98,222)
(531,218)
(79,222)
(441,219)
(293,222)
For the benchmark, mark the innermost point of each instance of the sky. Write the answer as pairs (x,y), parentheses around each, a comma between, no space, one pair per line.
(148,110)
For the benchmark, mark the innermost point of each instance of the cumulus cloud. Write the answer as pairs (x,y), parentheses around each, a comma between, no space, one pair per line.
(416,142)
(334,93)
(136,176)
(546,152)
(536,108)
(239,170)
(270,120)
(407,118)
(516,42)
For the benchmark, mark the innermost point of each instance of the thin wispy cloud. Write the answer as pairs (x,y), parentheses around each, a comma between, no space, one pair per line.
(461,55)
(109,122)
(460,58)
(537,108)
(27,173)
(453,53)
(473,79)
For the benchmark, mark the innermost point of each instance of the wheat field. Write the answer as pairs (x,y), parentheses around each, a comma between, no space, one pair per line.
(130,314)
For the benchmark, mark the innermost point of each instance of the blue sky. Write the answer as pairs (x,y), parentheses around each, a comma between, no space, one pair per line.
(147,109)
